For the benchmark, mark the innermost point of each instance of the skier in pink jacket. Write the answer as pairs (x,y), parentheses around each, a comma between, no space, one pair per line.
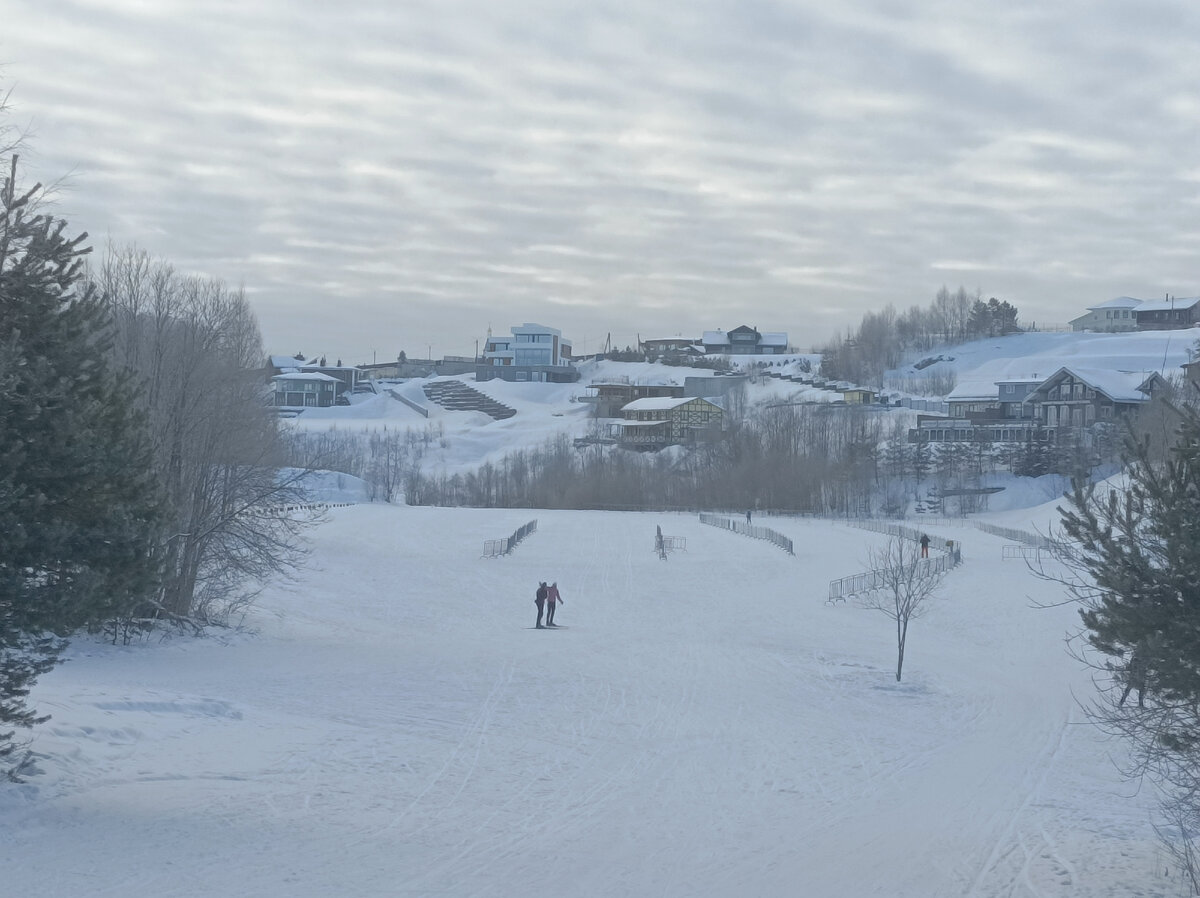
(552,600)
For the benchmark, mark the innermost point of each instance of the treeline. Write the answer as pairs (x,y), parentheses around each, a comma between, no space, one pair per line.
(793,458)
(139,462)
(884,339)
(388,460)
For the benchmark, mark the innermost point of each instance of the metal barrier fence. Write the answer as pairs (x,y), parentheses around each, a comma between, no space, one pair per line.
(494,548)
(872,581)
(748,530)
(315,506)
(1028,553)
(893,529)
(1017,536)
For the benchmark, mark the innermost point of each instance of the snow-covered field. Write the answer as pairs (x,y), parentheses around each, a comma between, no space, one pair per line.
(706,726)
(389,724)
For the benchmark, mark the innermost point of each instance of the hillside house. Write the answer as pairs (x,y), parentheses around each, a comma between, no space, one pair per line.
(1167,314)
(858,396)
(1111,316)
(533,353)
(349,378)
(652,424)
(1010,410)
(1079,397)
(744,341)
(304,389)
(613,394)
(670,347)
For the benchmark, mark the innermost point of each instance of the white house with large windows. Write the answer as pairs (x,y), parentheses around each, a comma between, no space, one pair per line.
(1108,317)
(534,352)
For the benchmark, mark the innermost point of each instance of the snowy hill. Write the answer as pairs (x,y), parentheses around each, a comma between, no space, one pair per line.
(389,723)
(1018,355)
(706,726)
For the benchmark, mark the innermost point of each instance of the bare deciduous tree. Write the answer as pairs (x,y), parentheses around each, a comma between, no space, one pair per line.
(194,345)
(907,580)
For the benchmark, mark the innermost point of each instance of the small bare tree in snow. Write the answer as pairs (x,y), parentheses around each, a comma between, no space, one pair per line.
(905,580)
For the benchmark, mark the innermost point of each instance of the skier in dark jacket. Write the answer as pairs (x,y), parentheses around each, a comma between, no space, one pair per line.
(924,545)
(540,601)
(1135,675)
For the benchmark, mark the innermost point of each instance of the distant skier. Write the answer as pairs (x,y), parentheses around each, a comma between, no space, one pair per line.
(924,545)
(747,515)
(552,599)
(540,601)
(1135,675)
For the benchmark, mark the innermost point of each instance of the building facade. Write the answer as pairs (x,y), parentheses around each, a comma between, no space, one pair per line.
(1109,317)
(652,424)
(1168,314)
(744,341)
(534,353)
(611,395)
(305,389)
(1022,410)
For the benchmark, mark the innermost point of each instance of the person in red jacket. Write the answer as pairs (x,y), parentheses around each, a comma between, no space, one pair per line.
(552,599)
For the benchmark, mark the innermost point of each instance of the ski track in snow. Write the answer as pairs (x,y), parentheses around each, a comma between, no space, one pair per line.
(706,726)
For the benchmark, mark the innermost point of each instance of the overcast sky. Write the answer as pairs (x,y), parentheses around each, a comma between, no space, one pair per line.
(384,174)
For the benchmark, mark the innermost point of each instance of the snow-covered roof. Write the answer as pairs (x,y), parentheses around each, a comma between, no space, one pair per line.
(656,403)
(1166,305)
(974,390)
(1119,386)
(284,362)
(713,338)
(1121,302)
(644,423)
(305,375)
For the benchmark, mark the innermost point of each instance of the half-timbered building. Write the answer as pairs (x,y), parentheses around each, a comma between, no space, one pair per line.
(654,423)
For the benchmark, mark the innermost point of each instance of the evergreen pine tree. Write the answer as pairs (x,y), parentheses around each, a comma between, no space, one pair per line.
(1141,548)
(78,509)
(1136,554)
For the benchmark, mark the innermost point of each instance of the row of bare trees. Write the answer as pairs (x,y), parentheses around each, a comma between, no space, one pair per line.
(819,458)
(193,347)
(883,339)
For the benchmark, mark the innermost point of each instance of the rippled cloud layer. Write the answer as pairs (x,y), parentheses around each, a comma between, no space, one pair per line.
(384,176)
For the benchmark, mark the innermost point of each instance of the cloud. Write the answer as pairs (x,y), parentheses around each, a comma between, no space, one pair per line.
(407,173)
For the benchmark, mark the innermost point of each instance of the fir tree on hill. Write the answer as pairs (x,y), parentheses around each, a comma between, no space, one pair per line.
(1135,559)
(78,507)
